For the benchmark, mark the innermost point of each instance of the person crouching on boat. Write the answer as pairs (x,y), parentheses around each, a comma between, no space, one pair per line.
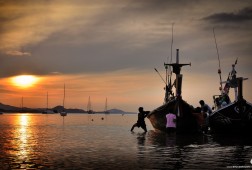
(170,122)
(205,107)
(140,121)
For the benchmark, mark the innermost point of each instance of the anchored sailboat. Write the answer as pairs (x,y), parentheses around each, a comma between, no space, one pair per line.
(89,107)
(106,107)
(47,111)
(63,112)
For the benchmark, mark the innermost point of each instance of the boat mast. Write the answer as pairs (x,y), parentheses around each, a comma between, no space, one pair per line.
(89,104)
(176,68)
(106,105)
(219,70)
(169,74)
(64,98)
(47,101)
(22,103)
(168,85)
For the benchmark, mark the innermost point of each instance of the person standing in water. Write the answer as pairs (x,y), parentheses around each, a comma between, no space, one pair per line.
(206,111)
(140,121)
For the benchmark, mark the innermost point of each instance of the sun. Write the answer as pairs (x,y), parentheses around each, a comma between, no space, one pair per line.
(24,81)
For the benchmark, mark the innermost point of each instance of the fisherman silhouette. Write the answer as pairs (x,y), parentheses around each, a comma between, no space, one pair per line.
(206,111)
(205,107)
(140,122)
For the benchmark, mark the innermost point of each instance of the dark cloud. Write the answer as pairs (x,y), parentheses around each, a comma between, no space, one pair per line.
(241,16)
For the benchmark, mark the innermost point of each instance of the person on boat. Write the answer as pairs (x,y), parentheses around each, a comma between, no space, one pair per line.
(205,107)
(224,100)
(170,122)
(140,121)
(217,103)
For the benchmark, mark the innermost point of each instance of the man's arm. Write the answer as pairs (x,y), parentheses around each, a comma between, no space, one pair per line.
(146,113)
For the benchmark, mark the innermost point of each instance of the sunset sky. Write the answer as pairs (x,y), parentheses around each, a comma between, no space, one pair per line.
(109,48)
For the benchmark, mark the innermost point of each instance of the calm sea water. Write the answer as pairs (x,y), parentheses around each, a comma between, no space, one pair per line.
(81,141)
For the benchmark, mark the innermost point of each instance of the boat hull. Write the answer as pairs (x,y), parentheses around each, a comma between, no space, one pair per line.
(235,118)
(186,121)
(48,112)
(63,113)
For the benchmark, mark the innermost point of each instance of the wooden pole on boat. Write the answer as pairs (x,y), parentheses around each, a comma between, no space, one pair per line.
(176,69)
(240,87)
(219,70)
(179,78)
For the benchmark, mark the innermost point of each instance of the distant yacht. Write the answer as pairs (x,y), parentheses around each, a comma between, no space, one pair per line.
(47,111)
(106,107)
(22,105)
(89,107)
(63,112)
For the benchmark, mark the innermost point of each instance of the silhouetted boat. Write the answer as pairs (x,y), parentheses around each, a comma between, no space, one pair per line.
(89,107)
(106,107)
(47,111)
(63,112)
(186,121)
(235,117)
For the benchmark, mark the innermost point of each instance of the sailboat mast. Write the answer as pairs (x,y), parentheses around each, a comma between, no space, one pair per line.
(89,104)
(22,103)
(64,97)
(106,105)
(47,101)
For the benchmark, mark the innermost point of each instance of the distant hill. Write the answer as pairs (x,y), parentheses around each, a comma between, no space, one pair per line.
(118,111)
(56,109)
(61,108)
(4,107)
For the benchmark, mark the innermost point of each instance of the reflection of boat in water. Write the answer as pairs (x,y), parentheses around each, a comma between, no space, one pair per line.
(234,117)
(171,140)
(186,121)
(63,112)
(89,107)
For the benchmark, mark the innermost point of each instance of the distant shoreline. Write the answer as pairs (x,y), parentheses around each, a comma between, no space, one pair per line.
(57,109)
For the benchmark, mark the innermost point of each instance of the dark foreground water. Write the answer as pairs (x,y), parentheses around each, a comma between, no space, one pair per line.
(81,141)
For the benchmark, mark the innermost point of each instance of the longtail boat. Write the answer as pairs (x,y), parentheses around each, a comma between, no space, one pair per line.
(234,117)
(186,122)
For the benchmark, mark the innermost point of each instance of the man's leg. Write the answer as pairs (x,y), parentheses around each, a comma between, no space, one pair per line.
(144,128)
(133,127)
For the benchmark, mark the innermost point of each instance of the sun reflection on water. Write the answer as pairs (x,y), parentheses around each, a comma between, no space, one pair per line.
(21,136)
(23,133)
(24,120)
